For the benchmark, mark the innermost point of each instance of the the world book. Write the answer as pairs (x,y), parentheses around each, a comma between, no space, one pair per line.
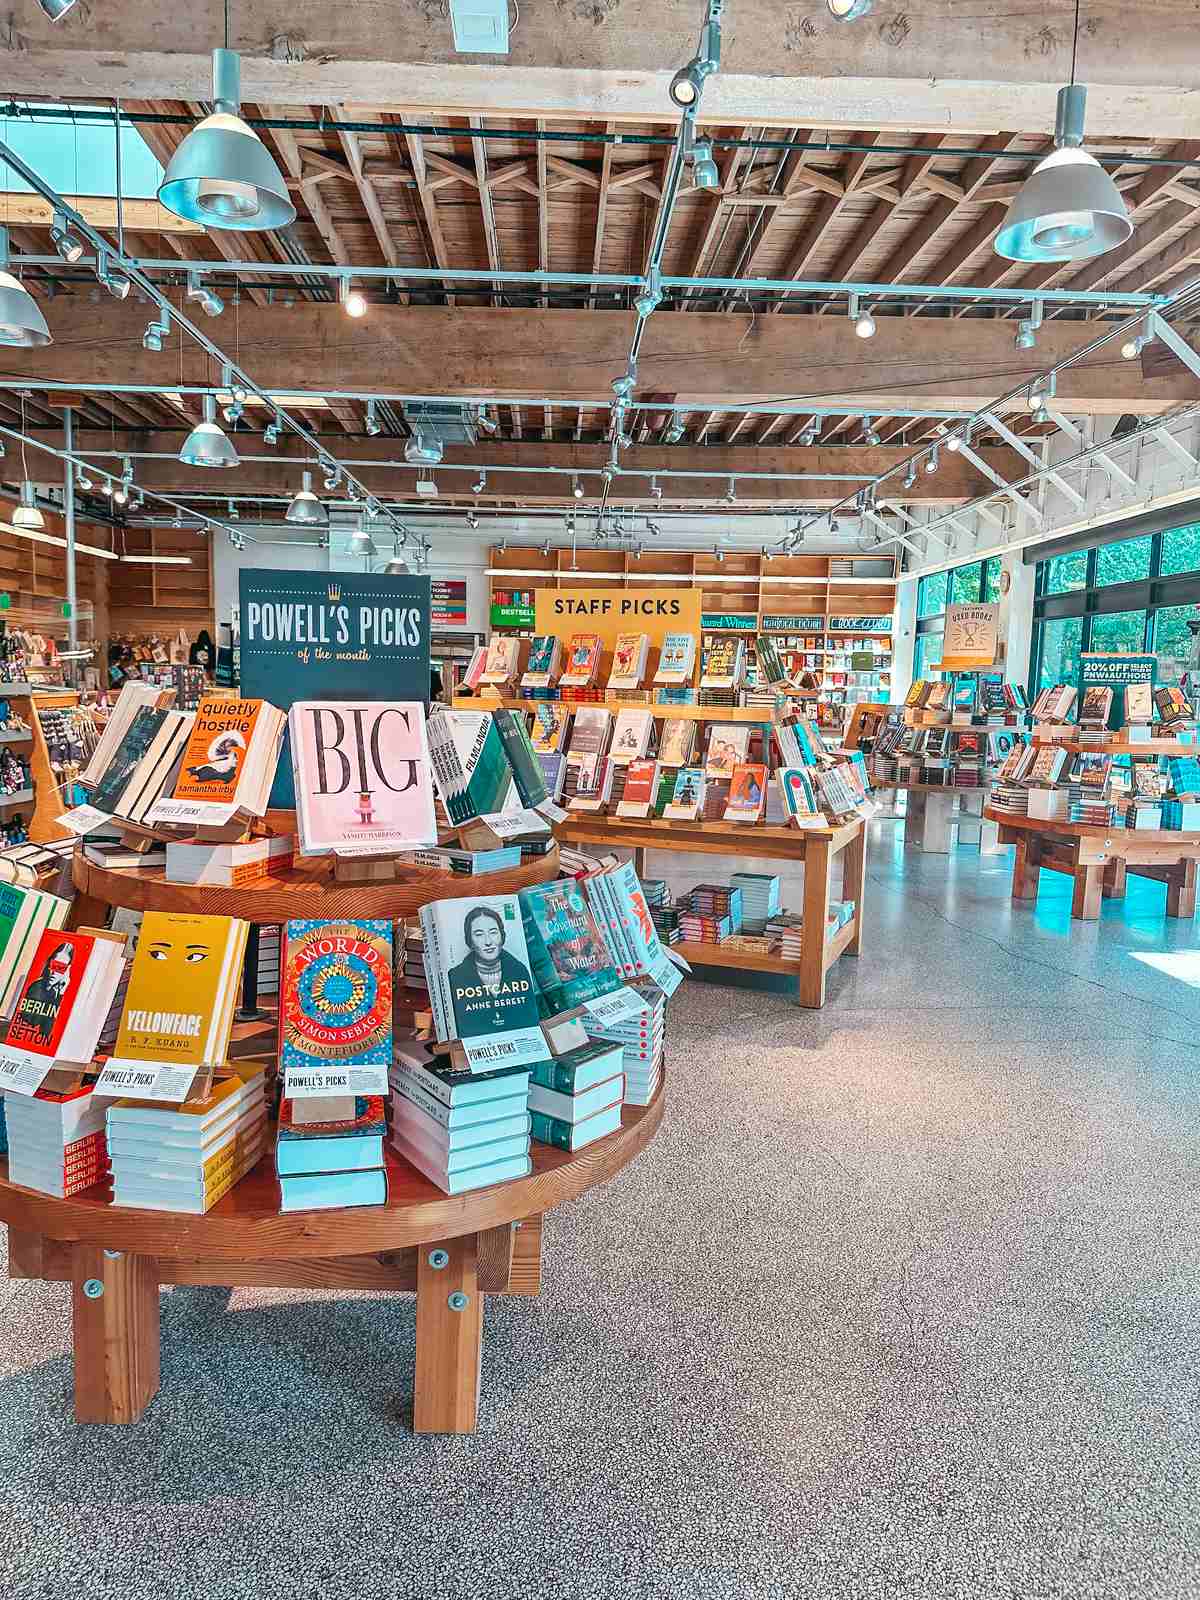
(480,984)
(329,1152)
(183,988)
(62,1006)
(228,764)
(335,1028)
(363,777)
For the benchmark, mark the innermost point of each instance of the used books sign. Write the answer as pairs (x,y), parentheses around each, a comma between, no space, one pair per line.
(972,633)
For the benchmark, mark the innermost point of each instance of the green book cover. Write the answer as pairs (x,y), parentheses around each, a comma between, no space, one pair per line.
(578,1069)
(666,788)
(569,957)
(522,758)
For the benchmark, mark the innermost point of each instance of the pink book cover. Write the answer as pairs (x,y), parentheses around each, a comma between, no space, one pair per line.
(363,780)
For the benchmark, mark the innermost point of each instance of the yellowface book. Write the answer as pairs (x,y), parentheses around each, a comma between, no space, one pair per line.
(182,988)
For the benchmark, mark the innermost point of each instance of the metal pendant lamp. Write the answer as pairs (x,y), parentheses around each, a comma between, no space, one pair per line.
(305,506)
(207,444)
(1069,208)
(27,515)
(21,321)
(222,175)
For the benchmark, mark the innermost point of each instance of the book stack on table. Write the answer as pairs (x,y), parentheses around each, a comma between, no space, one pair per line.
(761,899)
(641,1039)
(413,964)
(1181,815)
(463,1130)
(710,912)
(1010,798)
(575,1098)
(329,1151)
(1145,814)
(185,1157)
(56,1141)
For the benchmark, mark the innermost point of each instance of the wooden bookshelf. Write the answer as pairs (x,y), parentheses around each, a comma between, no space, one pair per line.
(1122,747)
(672,713)
(151,600)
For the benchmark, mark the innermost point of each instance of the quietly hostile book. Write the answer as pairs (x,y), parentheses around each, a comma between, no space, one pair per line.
(228,763)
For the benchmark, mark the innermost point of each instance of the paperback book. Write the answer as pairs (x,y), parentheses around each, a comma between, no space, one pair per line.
(135,696)
(335,1033)
(632,734)
(582,659)
(551,720)
(144,765)
(687,798)
(728,745)
(62,1007)
(522,757)
(641,785)
(568,956)
(676,659)
(542,667)
(362,777)
(629,660)
(747,790)
(25,914)
(470,768)
(678,742)
(502,656)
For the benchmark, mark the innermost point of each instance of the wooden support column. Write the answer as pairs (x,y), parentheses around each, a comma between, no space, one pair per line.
(1025,868)
(1113,887)
(114,1304)
(449,1337)
(1085,902)
(817,864)
(1181,891)
(854,878)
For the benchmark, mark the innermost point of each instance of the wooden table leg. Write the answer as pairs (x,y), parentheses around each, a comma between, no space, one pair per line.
(1085,902)
(449,1337)
(1025,868)
(114,1305)
(914,817)
(939,819)
(854,878)
(1181,890)
(1114,880)
(817,863)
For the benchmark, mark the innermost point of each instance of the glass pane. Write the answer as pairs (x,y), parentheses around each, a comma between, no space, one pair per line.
(1118,630)
(965,585)
(1181,550)
(1062,638)
(1064,573)
(1123,562)
(81,157)
(929,648)
(1172,641)
(991,578)
(931,595)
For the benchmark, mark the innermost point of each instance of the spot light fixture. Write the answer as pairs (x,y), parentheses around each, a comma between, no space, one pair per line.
(353,301)
(65,240)
(371,424)
(480,484)
(864,322)
(931,461)
(1137,342)
(209,300)
(27,516)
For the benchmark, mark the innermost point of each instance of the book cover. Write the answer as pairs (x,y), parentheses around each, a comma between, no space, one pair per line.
(132,750)
(336,995)
(771,670)
(1139,702)
(728,744)
(678,742)
(522,757)
(501,662)
(49,992)
(331,636)
(362,776)
(629,659)
(1096,703)
(676,658)
(550,723)
(470,768)
(543,658)
(475,952)
(214,758)
(568,956)
(1172,704)
(687,798)
(747,789)
(583,658)
(641,782)
(365,1118)
(183,987)
(589,736)
(799,796)
(1091,772)
(631,734)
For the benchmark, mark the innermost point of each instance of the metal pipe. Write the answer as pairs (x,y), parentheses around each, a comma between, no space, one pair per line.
(217,271)
(69,531)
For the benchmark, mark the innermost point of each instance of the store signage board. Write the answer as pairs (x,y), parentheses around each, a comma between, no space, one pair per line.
(728,622)
(791,622)
(331,636)
(507,616)
(1115,671)
(971,637)
(448,603)
(655,612)
(862,624)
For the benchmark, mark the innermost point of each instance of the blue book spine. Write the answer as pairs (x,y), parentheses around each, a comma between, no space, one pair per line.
(353,1153)
(325,1191)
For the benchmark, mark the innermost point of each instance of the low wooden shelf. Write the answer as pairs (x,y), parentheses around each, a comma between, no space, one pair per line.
(668,713)
(817,848)
(1097,860)
(1121,747)
(116,1258)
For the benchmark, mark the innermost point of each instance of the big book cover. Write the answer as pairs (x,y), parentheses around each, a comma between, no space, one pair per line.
(336,996)
(331,636)
(475,952)
(363,781)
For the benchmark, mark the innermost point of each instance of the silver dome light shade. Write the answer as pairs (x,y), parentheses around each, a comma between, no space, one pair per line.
(1068,209)
(207,444)
(27,515)
(305,506)
(21,320)
(223,175)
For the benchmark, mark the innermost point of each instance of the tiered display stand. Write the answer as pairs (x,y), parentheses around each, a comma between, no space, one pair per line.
(817,848)
(450,1250)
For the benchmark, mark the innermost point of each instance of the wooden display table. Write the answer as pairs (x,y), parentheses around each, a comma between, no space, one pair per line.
(450,1250)
(934,809)
(817,848)
(1097,859)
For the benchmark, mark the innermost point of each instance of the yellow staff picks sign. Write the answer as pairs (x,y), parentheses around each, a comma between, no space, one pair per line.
(655,612)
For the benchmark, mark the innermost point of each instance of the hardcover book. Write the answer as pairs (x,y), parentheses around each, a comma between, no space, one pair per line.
(522,757)
(641,785)
(135,762)
(1139,702)
(1096,704)
(800,801)
(135,696)
(589,736)
(678,742)
(771,671)
(583,659)
(66,996)
(687,798)
(228,763)
(349,1139)
(502,654)
(1172,704)
(183,988)
(728,744)
(24,914)
(676,659)
(632,734)
(550,723)
(629,660)
(477,965)
(569,959)
(747,793)
(470,767)
(336,1001)
(593,786)
(721,662)
(362,777)
(542,667)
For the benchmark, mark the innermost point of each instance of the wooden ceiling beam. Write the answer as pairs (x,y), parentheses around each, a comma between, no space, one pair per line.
(827,210)
(419,158)
(293,162)
(352,150)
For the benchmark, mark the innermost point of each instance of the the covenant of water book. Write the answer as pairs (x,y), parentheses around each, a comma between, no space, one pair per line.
(335,1032)
(480,983)
(228,764)
(566,950)
(363,777)
(183,988)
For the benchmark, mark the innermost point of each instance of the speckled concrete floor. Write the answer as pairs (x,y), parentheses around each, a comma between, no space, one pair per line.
(902,1302)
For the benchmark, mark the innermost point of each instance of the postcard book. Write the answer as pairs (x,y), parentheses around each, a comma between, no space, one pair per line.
(477,967)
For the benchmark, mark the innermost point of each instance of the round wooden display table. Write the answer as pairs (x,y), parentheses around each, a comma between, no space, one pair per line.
(450,1249)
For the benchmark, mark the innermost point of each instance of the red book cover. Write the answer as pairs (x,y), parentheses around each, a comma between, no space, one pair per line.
(44,1007)
(639,782)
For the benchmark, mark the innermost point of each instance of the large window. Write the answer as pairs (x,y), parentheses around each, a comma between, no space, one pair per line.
(1128,596)
(965,584)
(931,596)
(927,654)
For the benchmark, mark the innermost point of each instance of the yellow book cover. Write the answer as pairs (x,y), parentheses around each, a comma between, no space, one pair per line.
(231,1175)
(235,1149)
(224,1091)
(216,751)
(183,987)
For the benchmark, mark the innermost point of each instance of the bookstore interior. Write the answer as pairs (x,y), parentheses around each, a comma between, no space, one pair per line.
(600,799)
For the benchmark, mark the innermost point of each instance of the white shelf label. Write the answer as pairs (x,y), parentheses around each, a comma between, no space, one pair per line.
(309,1083)
(147,1080)
(619,1006)
(22,1071)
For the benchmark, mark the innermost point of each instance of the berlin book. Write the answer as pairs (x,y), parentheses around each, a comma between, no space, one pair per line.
(62,1006)
(335,1027)
(362,775)
(480,983)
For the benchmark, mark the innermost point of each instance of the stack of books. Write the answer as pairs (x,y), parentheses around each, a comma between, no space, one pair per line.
(465,863)
(784,925)
(641,1039)
(1085,805)
(186,1157)
(1011,798)
(415,979)
(1181,815)
(1184,773)
(329,1152)
(56,1141)
(1144,814)
(760,893)
(666,924)
(679,695)
(462,1130)
(710,913)
(575,1098)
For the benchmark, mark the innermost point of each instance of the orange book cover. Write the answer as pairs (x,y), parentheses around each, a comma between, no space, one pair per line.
(216,751)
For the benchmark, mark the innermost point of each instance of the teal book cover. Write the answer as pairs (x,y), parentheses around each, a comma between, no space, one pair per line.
(541,654)
(579,1069)
(325,1191)
(522,758)
(569,957)
(488,779)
